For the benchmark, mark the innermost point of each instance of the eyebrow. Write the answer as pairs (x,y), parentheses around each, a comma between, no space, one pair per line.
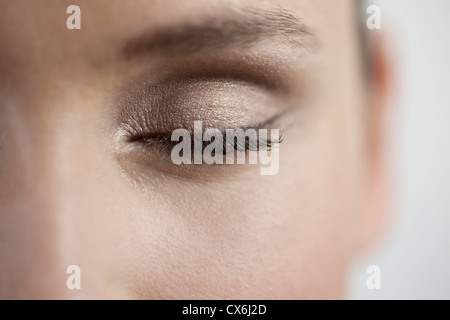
(244,29)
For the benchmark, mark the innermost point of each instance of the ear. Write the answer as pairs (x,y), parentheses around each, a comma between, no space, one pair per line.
(379,85)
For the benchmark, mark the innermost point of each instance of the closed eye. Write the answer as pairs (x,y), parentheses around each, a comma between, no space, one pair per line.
(164,141)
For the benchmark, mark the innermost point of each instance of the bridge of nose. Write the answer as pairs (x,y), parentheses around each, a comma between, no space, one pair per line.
(52,207)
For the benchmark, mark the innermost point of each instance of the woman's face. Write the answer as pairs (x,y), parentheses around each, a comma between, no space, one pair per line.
(81,184)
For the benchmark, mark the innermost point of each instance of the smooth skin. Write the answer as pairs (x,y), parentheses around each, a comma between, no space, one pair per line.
(78,187)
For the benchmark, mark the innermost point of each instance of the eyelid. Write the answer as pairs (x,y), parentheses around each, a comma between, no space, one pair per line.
(144,159)
(150,120)
(139,134)
(163,145)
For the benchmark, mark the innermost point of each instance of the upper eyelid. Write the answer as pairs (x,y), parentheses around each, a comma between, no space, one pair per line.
(249,109)
(136,136)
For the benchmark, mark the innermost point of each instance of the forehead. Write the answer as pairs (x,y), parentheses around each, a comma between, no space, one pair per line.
(115,19)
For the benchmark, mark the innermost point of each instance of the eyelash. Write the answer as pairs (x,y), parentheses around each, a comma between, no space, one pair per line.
(164,141)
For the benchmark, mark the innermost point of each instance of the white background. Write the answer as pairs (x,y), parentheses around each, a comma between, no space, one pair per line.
(414,252)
